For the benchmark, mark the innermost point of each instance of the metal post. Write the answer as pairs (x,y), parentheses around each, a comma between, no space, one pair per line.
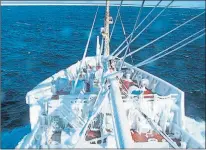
(106,30)
(122,134)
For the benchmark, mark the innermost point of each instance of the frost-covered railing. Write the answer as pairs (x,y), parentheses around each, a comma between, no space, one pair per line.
(29,140)
(43,91)
(163,88)
(188,139)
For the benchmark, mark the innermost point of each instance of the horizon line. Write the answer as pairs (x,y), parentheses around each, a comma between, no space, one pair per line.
(82,3)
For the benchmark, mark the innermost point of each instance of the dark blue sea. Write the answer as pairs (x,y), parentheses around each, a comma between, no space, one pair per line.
(38,41)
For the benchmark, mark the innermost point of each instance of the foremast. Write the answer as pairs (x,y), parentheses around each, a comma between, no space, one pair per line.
(121,127)
(106,30)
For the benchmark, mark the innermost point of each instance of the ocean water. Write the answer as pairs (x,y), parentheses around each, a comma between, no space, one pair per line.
(38,41)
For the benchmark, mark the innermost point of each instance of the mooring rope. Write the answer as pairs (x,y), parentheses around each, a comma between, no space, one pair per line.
(86,48)
(152,60)
(118,12)
(152,57)
(137,19)
(146,26)
(164,34)
(148,14)
(125,36)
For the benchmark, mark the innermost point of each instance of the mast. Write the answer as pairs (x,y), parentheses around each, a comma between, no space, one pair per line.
(121,127)
(106,30)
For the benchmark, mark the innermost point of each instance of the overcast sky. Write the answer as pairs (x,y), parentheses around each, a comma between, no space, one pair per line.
(184,4)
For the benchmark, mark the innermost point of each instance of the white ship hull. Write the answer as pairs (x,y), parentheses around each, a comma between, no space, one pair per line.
(72,112)
(104,102)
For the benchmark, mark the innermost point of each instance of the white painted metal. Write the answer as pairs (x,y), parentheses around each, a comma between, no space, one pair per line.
(98,52)
(123,137)
(39,97)
(72,104)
